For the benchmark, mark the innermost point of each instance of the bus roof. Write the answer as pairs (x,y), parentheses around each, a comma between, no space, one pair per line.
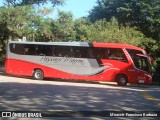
(116,45)
(84,44)
(54,43)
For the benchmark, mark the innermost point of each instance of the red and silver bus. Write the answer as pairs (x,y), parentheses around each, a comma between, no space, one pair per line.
(101,62)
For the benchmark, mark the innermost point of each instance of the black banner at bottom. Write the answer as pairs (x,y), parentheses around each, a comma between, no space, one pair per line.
(39,114)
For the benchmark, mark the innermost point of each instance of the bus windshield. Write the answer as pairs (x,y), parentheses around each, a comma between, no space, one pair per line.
(140,60)
(142,63)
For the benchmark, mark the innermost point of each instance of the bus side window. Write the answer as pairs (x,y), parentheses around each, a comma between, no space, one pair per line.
(12,48)
(16,48)
(58,51)
(19,49)
(81,52)
(71,52)
(77,53)
(92,53)
(32,50)
(68,52)
(101,53)
(43,50)
(84,52)
(26,51)
(117,54)
(48,50)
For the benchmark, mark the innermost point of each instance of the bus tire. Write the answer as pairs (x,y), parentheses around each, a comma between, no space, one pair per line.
(38,74)
(122,80)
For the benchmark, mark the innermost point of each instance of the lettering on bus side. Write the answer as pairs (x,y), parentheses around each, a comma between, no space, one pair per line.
(65,59)
(50,59)
(73,61)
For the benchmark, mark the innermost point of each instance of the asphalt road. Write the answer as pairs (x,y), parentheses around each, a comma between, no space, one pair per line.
(25,94)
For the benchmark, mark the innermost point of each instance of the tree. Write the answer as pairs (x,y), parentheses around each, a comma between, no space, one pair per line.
(81,27)
(16,21)
(31,2)
(20,18)
(62,28)
(144,14)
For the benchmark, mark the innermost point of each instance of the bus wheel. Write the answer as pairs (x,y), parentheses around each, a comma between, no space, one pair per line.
(122,80)
(38,74)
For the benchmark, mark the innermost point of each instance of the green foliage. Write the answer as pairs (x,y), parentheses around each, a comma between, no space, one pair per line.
(81,26)
(41,30)
(17,21)
(62,28)
(31,2)
(144,14)
(10,21)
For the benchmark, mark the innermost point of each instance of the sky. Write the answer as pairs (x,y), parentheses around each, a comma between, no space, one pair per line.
(78,8)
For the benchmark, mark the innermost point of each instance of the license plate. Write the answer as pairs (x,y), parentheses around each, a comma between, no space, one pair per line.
(141,81)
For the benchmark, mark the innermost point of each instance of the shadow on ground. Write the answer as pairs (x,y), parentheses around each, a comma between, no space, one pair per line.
(37,97)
